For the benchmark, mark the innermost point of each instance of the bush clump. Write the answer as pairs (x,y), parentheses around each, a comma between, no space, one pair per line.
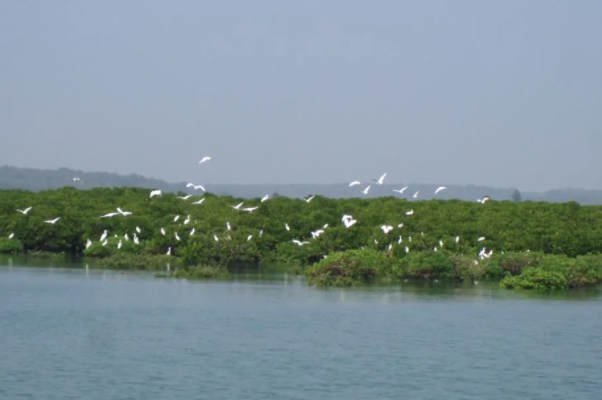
(349,268)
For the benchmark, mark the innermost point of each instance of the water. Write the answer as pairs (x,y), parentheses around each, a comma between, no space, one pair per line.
(89,334)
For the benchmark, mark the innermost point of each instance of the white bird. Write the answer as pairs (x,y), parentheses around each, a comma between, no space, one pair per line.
(484,199)
(52,221)
(349,223)
(416,194)
(399,240)
(196,187)
(154,193)
(310,199)
(88,244)
(24,212)
(104,243)
(287,227)
(355,183)
(177,236)
(236,207)
(109,215)
(400,225)
(265,198)
(12,235)
(192,231)
(126,237)
(410,212)
(104,235)
(176,218)
(249,209)
(457,239)
(365,191)
(136,240)
(441,243)
(124,213)
(185,197)
(481,239)
(168,251)
(187,220)
(249,237)
(75,179)
(204,159)
(228,225)
(401,190)
(216,238)
(260,233)
(119,244)
(407,249)
(299,242)
(386,228)
(163,231)
(198,201)
(381,179)
(440,188)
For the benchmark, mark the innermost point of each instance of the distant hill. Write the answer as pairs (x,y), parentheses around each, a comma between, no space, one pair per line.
(38,179)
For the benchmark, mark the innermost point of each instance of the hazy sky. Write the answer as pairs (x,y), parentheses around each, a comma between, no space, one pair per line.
(503,93)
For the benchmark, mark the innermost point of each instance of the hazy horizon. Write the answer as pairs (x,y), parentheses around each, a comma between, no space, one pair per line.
(500,94)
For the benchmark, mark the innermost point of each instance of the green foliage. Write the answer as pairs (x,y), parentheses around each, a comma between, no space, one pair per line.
(136,262)
(10,246)
(201,272)
(348,268)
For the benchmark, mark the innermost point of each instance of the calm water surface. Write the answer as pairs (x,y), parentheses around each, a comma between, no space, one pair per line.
(89,334)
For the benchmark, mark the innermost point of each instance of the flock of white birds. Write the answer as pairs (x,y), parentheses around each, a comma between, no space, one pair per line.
(347,220)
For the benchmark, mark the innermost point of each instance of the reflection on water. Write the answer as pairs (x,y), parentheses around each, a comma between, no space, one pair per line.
(80,332)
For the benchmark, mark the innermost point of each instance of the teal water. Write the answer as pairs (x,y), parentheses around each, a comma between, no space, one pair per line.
(76,333)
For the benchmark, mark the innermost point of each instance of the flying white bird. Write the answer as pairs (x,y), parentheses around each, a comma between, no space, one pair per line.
(204,159)
(365,191)
(196,187)
(401,190)
(249,209)
(349,223)
(300,243)
(12,235)
(185,197)
(249,237)
(381,179)
(236,207)
(124,213)
(24,212)
(416,194)
(198,201)
(264,198)
(410,212)
(109,215)
(310,199)
(52,221)
(440,188)
(484,199)
(155,193)
(355,183)
(386,228)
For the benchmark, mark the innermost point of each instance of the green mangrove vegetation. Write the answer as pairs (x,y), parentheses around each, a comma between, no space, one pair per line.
(530,245)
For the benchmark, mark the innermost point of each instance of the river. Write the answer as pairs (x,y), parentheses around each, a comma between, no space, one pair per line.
(81,333)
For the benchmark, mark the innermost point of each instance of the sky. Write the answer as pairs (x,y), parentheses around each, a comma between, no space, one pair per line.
(498,93)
